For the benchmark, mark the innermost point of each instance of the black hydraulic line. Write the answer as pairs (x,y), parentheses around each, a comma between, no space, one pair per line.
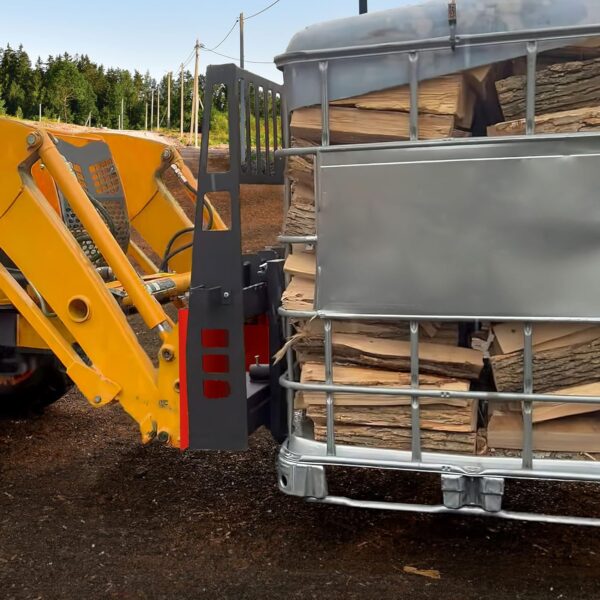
(164,266)
(205,204)
(167,255)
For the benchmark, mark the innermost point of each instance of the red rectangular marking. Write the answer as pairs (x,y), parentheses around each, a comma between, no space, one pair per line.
(215,363)
(216,389)
(215,338)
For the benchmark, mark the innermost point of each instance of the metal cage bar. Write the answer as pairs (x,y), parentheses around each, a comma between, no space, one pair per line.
(328,340)
(527,390)
(415,404)
(413,58)
(532,50)
(312,454)
(325,131)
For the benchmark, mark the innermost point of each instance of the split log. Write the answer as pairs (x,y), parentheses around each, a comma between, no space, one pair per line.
(436,359)
(314,372)
(299,294)
(559,87)
(353,126)
(573,434)
(509,336)
(399,438)
(433,417)
(569,121)
(447,334)
(448,95)
(553,369)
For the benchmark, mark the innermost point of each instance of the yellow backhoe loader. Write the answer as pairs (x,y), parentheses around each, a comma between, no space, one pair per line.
(77,198)
(462,230)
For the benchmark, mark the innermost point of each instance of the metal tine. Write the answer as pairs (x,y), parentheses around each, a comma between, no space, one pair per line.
(527,389)
(415,404)
(275,128)
(532,50)
(413,58)
(248,129)
(257,125)
(330,428)
(324,70)
(267,167)
(289,393)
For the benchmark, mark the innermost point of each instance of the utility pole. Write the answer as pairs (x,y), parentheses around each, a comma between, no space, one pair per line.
(40,109)
(242,94)
(152,109)
(169,100)
(241,40)
(122,113)
(181,116)
(158,108)
(194,123)
(146,118)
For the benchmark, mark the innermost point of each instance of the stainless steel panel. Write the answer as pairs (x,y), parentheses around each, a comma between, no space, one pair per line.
(497,229)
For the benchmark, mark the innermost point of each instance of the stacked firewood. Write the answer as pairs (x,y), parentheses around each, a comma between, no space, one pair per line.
(489,100)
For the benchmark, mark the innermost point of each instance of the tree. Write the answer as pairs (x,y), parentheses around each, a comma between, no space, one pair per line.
(68,93)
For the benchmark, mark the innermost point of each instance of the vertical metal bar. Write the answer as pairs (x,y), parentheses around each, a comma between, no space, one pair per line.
(290,376)
(415,405)
(257,125)
(413,58)
(248,128)
(532,49)
(527,389)
(324,70)
(275,128)
(267,169)
(330,429)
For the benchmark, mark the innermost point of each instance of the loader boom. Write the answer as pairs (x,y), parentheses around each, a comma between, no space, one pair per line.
(109,363)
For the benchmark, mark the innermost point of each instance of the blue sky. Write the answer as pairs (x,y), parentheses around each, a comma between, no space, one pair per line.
(158,36)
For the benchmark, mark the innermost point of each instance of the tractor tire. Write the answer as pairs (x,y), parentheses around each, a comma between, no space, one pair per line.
(45,383)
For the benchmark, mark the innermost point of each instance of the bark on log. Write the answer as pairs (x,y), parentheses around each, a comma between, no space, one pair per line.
(433,417)
(436,359)
(552,369)
(559,87)
(568,121)
(400,438)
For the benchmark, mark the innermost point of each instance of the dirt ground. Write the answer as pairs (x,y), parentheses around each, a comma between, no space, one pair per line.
(87,512)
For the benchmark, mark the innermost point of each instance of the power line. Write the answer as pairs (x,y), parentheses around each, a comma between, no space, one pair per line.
(237,59)
(226,36)
(260,12)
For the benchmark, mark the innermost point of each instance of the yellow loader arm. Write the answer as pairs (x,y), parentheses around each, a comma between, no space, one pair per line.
(74,303)
(153,211)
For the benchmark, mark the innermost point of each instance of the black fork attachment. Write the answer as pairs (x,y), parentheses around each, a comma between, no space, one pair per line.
(228,290)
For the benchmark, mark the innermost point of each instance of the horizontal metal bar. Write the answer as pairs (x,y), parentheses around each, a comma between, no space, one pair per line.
(297,239)
(441,43)
(466,511)
(305,452)
(405,144)
(434,393)
(335,316)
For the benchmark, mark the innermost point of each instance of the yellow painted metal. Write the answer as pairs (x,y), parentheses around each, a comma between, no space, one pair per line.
(66,180)
(153,211)
(29,338)
(179,285)
(34,237)
(141,258)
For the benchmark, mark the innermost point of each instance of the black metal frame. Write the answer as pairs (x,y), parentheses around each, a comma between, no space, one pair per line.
(227,288)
